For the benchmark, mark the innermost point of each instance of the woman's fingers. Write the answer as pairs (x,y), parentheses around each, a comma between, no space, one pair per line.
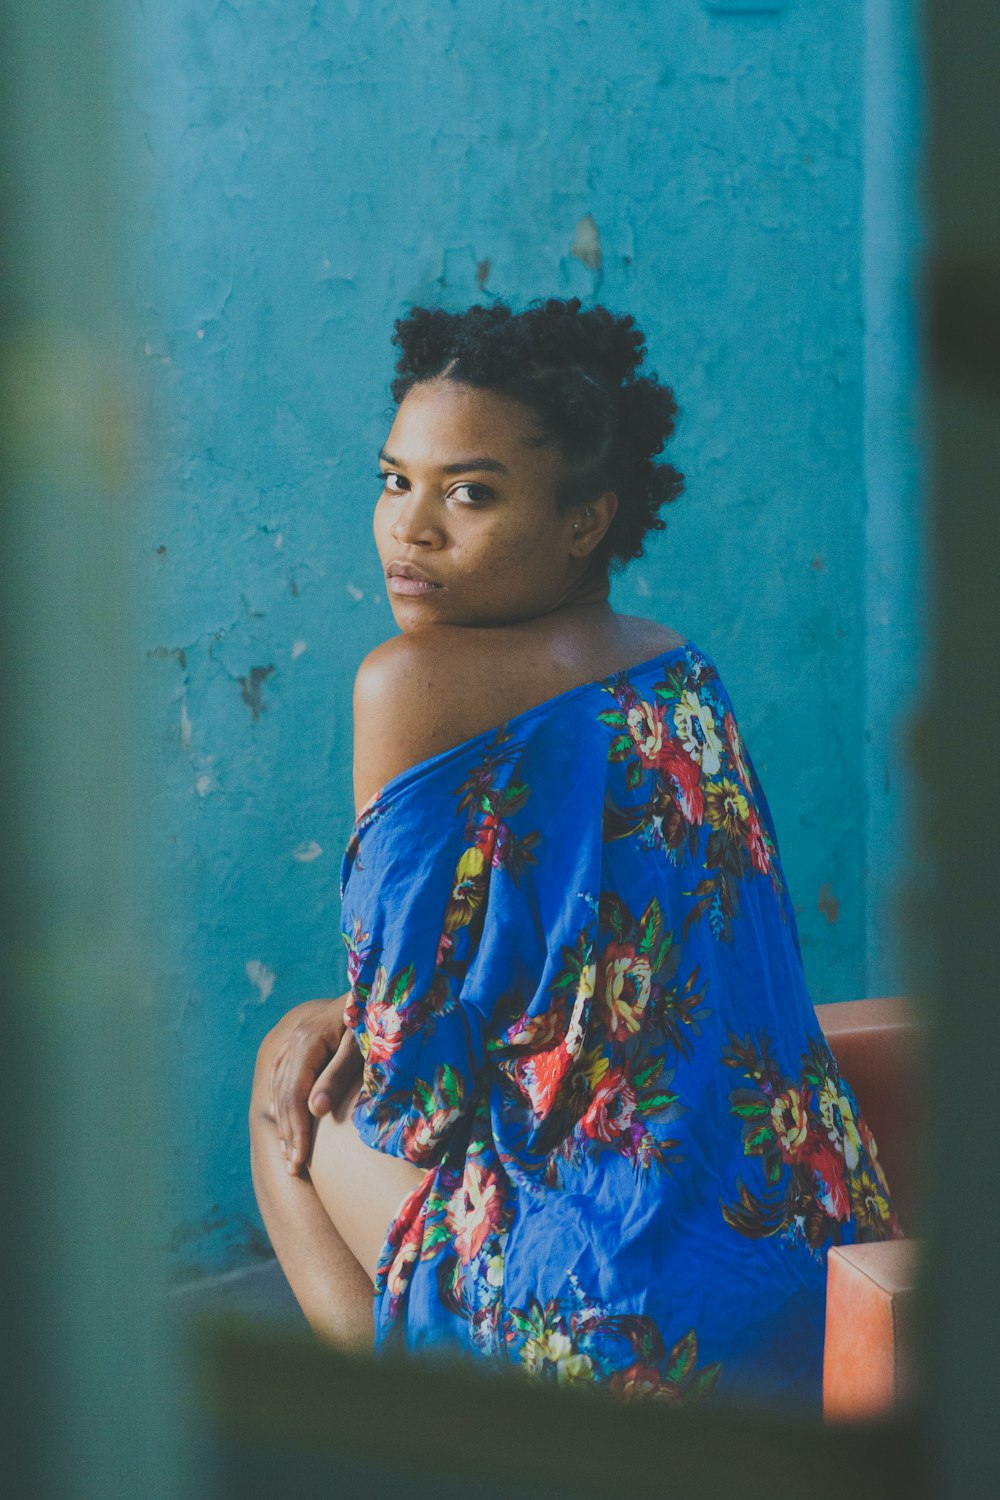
(337,1077)
(292,1116)
(307,1054)
(304,1042)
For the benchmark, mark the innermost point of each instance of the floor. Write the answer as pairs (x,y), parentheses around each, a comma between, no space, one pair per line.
(258,1292)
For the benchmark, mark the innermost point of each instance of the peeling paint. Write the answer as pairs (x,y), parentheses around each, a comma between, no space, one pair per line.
(185,725)
(204,784)
(355,592)
(306,853)
(586,246)
(262,978)
(250,687)
(297,649)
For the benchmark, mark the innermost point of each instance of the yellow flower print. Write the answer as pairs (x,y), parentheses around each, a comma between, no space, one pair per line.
(838,1118)
(869,1202)
(554,1350)
(468,892)
(577,1020)
(726,808)
(790,1121)
(593,1066)
(695,725)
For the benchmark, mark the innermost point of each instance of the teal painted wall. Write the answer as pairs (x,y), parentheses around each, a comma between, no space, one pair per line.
(311,171)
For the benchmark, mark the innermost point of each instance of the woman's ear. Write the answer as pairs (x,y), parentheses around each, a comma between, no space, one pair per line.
(591,522)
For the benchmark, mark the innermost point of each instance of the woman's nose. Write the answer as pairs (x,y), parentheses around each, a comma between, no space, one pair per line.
(414,522)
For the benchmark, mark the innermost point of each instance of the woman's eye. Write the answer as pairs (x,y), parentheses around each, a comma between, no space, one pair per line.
(474,494)
(394,483)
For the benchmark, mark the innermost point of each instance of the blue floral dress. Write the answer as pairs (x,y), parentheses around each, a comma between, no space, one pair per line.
(577,988)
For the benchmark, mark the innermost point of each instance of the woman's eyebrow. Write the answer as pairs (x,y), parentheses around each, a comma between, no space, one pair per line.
(490,465)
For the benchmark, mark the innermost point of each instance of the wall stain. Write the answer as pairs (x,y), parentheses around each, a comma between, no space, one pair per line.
(827,903)
(250,687)
(177,652)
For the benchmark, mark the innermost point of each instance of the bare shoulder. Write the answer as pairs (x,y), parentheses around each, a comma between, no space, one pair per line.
(415,695)
(428,690)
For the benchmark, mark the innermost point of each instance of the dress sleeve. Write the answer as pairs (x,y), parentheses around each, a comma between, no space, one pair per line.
(415,884)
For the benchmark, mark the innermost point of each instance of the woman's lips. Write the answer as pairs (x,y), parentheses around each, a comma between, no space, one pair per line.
(406,578)
(400,584)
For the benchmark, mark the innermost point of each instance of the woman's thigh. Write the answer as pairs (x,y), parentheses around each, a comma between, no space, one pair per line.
(361,1189)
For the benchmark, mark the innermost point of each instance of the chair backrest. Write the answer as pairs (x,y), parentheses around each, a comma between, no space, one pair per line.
(878,1047)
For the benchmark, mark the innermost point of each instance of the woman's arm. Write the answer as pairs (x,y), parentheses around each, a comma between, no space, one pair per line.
(402,709)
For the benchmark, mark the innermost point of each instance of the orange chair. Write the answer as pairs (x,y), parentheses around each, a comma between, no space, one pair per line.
(867,1358)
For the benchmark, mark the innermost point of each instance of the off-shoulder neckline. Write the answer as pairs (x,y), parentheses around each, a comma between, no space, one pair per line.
(395,784)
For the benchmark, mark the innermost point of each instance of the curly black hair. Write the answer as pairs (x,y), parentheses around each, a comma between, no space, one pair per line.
(575,369)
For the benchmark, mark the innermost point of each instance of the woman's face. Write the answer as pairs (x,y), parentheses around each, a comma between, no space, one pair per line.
(467,528)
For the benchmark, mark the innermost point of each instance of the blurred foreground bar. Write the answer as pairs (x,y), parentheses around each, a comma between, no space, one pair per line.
(286,1411)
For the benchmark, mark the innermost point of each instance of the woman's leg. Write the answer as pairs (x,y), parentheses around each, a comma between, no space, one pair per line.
(360,1189)
(331,1272)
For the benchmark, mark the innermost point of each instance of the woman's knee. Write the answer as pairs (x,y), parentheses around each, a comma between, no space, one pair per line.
(261,1112)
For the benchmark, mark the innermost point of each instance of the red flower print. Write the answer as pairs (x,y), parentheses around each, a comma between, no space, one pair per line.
(384,1025)
(827,1166)
(545,1074)
(475,1211)
(637,1381)
(609,1116)
(684,775)
(755,842)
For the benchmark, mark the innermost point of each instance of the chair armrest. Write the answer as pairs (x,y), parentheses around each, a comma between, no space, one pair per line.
(868,1351)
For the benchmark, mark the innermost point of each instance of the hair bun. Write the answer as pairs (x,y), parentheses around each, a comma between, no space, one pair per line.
(564,333)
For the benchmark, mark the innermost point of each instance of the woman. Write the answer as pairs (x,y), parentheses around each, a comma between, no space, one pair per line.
(576,1112)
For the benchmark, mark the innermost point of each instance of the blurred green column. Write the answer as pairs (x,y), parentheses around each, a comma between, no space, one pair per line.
(89,1392)
(960,739)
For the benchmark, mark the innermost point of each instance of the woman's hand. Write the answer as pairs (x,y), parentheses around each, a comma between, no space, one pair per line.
(316,1061)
